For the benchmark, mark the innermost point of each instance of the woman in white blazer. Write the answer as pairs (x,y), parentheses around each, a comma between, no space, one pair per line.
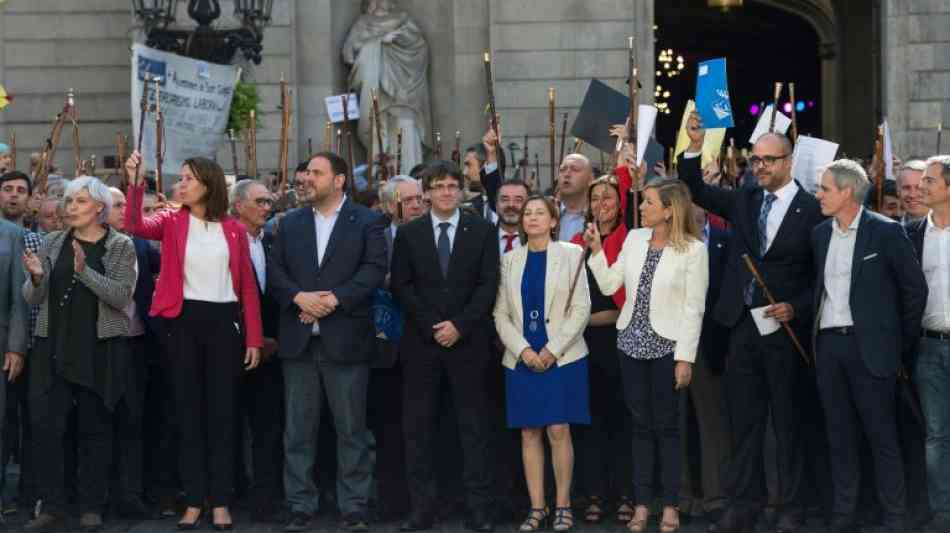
(542,308)
(664,267)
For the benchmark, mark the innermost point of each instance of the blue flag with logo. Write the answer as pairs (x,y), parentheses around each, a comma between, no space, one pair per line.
(712,94)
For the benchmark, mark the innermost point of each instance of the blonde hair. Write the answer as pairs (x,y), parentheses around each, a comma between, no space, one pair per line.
(675,195)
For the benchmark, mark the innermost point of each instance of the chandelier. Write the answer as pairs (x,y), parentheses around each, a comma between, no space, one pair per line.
(724,5)
(205,42)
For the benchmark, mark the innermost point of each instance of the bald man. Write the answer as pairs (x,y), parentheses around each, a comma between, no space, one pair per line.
(574,177)
(772,225)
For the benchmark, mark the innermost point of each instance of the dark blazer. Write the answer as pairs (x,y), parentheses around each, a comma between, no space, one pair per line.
(714,340)
(149,261)
(888,291)
(788,265)
(270,312)
(353,266)
(916,230)
(466,297)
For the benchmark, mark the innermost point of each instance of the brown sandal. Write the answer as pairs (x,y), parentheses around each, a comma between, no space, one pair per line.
(670,527)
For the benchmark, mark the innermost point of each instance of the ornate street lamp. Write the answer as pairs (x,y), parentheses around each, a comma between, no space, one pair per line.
(724,5)
(205,42)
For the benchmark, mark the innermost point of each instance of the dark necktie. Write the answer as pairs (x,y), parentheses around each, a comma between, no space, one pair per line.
(444,247)
(763,242)
(509,240)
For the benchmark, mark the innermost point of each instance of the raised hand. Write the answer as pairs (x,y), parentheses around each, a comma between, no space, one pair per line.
(695,132)
(135,168)
(32,264)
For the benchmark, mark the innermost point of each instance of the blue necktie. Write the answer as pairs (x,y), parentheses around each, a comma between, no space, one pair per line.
(444,247)
(763,241)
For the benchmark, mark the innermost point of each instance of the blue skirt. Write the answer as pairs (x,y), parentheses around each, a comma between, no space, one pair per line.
(560,395)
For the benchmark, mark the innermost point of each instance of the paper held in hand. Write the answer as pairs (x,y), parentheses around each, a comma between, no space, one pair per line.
(888,153)
(335,107)
(765,325)
(810,156)
(712,143)
(645,122)
(782,123)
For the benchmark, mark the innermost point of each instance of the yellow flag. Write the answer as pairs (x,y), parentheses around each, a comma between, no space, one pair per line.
(4,98)
(712,143)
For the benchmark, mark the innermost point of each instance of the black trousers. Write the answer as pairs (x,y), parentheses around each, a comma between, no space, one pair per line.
(858,402)
(50,414)
(17,436)
(654,407)
(384,418)
(466,372)
(160,429)
(205,356)
(261,406)
(128,426)
(605,458)
(762,377)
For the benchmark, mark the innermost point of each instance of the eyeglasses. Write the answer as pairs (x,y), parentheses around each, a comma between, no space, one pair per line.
(445,187)
(767,160)
(264,202)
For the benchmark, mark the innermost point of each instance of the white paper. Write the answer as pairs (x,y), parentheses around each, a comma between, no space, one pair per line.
(766,326)
(335,107)
(888,154)
(645,122)
(782,124)
(811,154)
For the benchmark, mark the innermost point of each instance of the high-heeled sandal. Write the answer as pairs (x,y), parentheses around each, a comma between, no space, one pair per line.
(625,511)
(595,510)
(190,526)
(536,520)
(563,519)
(670,527)
(639,525)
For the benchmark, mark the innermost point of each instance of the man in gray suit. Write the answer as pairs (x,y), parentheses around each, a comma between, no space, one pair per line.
(14,312)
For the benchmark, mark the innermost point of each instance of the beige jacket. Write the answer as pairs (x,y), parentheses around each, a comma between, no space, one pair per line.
(678,294)
(565,328)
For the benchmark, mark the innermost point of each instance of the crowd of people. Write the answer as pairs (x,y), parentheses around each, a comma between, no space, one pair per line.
(679,342)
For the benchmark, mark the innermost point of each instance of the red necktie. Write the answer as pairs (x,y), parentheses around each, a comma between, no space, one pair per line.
(509,239)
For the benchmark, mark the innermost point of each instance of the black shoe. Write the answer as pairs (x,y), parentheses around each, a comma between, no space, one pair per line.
(132,509)
(264,513)
(479,521)
(299,522)
(355,522)
(732,521)
(789,521)
(45,523)
(416,522)
(90,522)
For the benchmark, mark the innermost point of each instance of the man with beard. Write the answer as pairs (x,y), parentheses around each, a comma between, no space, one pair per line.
(511,198)
(574,177)
(327,260)
(15,192)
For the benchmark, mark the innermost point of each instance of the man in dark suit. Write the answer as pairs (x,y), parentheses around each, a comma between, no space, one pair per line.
(261,401)
(870,294)
(931,238)
(445,276)
(484,172)
(327,260)
(771,224)
(706,387)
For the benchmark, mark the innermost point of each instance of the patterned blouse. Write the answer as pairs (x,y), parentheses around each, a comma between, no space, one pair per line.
(638,340)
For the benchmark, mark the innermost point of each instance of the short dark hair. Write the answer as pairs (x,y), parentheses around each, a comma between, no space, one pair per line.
(211,175)
(441,169)
(16,175)
(417,170)
(337,163)
(515,182)
(480,153)
(302,167)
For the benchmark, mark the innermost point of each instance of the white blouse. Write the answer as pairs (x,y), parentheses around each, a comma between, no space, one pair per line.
(207,273)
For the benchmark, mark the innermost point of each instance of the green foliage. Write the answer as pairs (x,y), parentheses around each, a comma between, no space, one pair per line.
(245,99)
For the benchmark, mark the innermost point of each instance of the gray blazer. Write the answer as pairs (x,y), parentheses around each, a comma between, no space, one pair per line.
(14,312)
(114,289)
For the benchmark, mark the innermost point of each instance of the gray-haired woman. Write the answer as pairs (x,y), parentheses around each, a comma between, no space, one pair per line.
(82,279)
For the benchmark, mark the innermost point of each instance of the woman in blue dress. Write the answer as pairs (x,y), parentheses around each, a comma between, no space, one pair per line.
(542,308)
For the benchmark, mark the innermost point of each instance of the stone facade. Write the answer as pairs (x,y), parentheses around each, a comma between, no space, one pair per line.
(49,46)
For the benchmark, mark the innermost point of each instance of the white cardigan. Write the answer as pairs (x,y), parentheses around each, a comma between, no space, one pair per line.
(565,329)
(678,294)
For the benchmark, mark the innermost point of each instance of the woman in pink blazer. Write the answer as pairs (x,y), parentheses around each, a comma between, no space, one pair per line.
(207,293)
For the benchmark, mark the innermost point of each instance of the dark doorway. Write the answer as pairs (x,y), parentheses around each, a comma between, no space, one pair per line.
(761,45)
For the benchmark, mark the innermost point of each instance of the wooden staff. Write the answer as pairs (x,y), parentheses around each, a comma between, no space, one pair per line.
(552,133)
(775,97)
(492,110)
(48,154)
(523,164)
(563,136)
(732,163)
(939,134)
(92,164)
(309,145)
(234,157)
(339,141)
(879,170)
(577,145)
(457,150)
(251,145)
(537,169)
(399,151)
(633,90)
(791,100)
(349,141)
(771,300)
(372,147)
(77,152)
(328,137)
(121,151)
(283,159)
(159,137)
(143,111)
(438,144)
(13,148)
(383,158)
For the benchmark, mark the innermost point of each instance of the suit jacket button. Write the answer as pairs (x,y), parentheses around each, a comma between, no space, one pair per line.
(547,320)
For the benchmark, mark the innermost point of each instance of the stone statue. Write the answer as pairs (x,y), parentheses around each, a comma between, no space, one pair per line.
(388,53)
